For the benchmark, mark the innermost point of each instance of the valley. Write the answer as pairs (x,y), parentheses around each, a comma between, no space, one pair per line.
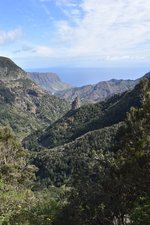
(66,162)
(25,106)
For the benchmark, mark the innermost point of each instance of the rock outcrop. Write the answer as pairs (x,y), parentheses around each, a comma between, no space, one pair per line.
(76,103)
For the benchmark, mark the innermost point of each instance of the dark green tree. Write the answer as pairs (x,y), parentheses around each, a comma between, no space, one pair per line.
(16,177)
(107,187)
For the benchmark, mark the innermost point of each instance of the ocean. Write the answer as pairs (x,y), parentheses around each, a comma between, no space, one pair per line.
(83,76)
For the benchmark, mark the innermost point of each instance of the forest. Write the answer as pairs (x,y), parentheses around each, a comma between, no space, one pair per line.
(93,170)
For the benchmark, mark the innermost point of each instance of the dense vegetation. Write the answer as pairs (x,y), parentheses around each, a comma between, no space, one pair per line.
(87,118)
(24,106)
(57,165)
(6,95)
(114,187)
(21,202)
(95,170)
(107,169)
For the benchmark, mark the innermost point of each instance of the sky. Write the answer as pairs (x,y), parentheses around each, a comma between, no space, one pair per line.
(76,33)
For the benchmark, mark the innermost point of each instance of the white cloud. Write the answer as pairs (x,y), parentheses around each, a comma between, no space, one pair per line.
(104,27)
(91,31)
(9,36)
(67,3)
(44,51)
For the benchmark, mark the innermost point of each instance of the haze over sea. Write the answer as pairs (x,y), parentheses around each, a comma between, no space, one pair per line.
(83,76)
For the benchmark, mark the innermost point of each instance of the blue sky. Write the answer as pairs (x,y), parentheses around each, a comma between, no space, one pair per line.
(76,33)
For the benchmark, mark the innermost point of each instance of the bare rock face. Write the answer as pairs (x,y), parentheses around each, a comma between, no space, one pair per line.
(76,103)
(98,92)
(49,81)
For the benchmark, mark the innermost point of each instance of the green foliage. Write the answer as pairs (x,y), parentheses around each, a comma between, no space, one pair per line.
(19,203)
(14,160)
(42,209)
(24,106)
(16,176)
(48,203)
(57,165)
(88,118)
(113,187)
(13,202)
(104,162)
(6,95)
(22,123)
(141,212)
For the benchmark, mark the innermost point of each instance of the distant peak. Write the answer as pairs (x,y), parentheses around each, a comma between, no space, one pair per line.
(49,81)
(52,76)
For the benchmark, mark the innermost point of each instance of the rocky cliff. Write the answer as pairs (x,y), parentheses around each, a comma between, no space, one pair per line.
(49,81)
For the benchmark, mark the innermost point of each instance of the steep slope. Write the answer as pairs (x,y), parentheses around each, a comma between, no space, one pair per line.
(23,104)
(49,81)
(88,93)
(99,91)
(113,187)
(56,165)
(88,118)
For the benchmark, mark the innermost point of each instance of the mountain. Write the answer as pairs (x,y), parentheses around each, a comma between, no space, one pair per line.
(81,134)
(88,93)
(56,165)
(49,81)
(23,104)
(109,184)
(89,161)
(9,71)
(89,117)
(99,91)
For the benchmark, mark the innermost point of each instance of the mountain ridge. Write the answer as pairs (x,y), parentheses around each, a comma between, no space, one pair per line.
(7,66)
(68,140)
(24,105)
(89,117)
(87,93)
(98,92)
(49,81)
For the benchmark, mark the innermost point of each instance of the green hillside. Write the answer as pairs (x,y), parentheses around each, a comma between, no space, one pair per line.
(24,105)
(113,187)
(99,136)
(85,166)
(87,118)
(57,165)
